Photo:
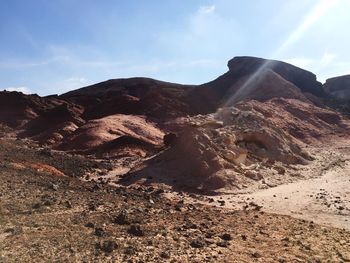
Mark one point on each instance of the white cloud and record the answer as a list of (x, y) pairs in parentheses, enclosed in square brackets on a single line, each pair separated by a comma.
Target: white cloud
[(206, 9), (327, 58), (24, 90)]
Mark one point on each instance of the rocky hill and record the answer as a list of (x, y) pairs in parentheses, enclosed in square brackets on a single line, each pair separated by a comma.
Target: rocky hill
[(269, 108), (141, 170)]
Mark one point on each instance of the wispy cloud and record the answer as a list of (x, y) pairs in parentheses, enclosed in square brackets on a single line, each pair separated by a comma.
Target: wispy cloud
[(24, 90), (327, 58), (206, 9)]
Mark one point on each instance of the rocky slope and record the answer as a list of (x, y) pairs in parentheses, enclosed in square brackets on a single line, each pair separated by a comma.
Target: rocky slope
[(238, 145), (135, 170), (277, 108)]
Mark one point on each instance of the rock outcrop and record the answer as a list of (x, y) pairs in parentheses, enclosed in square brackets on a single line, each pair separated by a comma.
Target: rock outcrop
[(304, 80), (338, 87), (110, 133), (255, 78), (218, 150)]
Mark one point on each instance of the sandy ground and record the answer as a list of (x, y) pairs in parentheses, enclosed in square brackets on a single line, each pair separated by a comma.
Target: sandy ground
[(323, 198)]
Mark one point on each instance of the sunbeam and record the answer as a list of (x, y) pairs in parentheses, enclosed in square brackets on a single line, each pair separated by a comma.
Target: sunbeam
[(313, 16)]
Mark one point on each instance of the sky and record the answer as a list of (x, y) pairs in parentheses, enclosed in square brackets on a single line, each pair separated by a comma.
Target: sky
[(53, 46)]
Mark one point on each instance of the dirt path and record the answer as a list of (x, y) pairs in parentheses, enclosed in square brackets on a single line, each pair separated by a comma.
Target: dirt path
[(324, 200)]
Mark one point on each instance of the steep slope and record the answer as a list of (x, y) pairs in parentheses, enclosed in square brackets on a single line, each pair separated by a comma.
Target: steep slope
[(304, 80), (257, 78)]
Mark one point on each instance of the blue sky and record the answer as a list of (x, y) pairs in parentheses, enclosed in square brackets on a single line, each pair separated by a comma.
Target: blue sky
[(52, 46)]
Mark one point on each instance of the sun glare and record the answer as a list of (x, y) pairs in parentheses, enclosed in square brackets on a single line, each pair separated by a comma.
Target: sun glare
[(311, 18)]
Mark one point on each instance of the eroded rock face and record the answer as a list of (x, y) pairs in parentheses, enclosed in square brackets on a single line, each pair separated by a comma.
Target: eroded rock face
[(255, 78), (114, 134), (338, 87), (303, 79), (226, 148)]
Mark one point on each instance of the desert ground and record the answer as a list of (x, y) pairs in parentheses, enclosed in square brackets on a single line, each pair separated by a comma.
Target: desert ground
[(46, 216)]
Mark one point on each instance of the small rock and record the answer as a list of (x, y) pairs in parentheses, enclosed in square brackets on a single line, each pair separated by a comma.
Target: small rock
[(89, 225), (130, 250), (99, 232), (68, 204), (108, 246), (280, 169), (122, 218), (36, 205), (221, 202), (226, 237), (198, 243), (136, 230), (165, 254), (54, 187), (223, 243)]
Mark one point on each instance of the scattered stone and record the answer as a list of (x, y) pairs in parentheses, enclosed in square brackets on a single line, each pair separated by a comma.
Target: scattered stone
[(165, 254), (223, 243), (280, 169), (256, 255), (178, 207), (130, 250), (190, 225), (14, 230), (107, 246), (226, 237), (48, 202), (122, 218), (221, 202), (89, 225), (99, 232), (253, 175), (209, 234), (136, 230), (68, 204), (54, 187), (198, 243), (36, 205)]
